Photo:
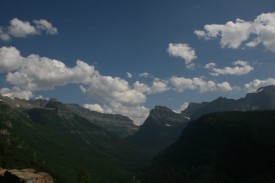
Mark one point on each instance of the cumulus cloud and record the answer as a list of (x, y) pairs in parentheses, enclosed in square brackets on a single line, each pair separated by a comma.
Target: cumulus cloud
[(16, 92), (41, 73), (141, 87), (248, 33), (257, 83), (10, 59), (239, 68), (181, 84), (94, 107), (113, 89), (44, 25), (35, 73), (158, 86), (183, 51), (19, 28)]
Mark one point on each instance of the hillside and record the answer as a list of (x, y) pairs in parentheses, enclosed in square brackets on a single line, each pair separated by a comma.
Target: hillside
[(62, 144), (118, 125), (231, 147)]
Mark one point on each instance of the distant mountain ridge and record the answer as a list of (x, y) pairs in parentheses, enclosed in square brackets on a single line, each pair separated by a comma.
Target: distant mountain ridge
[(262, 99), (116, 124)]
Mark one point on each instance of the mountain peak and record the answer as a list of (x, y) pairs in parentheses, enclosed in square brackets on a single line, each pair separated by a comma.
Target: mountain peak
[(267, 89), (160, 112), (162, 108)]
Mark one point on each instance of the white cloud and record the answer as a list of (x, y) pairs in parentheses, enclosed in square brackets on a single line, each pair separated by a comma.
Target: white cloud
[(94, 107), (183, 51), (182, 107), (181, 84), (240, 68), (257, 83), (113, 89), (141, 87), (19, 28), (10, 59), (16, 92), (224, 86), (129, 75), (4, 36), (144, 75), (41, 73), (137, 113), (44, 25), (252, 33), (231, 34), (34, 73), (158, 86)]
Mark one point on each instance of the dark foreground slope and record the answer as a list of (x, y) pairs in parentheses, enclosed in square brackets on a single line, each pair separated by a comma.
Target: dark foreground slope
[(229, 147), (62, 144)]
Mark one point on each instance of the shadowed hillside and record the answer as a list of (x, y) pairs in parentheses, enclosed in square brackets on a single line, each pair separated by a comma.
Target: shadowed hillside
[(224, 147)]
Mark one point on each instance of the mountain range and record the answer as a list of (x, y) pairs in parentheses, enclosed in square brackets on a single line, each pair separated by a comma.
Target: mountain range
[(262, 99), (62, 143), (118, 125), (207, 142)]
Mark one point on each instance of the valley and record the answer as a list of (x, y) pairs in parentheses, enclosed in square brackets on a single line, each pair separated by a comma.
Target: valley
[(225, 141)]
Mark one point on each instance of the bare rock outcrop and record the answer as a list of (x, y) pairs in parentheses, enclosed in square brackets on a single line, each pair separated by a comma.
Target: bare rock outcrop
[(24, 176)]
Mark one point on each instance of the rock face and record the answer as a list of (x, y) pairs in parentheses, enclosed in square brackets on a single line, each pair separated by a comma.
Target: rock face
[(160, 129), (24, 176)]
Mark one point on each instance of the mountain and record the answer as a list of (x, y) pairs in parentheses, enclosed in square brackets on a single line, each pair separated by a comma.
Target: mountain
[(263, 99), (62, 143), (229, 147), (160, 129), (116, 124)]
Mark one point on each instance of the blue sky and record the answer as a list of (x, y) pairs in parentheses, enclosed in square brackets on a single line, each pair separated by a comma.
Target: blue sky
[(127, 56)]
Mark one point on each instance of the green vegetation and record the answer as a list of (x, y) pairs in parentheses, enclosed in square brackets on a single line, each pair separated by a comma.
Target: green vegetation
[(66, 141), (84, 177), (61, 144), (231, 147)]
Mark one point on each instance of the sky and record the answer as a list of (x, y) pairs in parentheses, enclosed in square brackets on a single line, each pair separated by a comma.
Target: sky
[(126, 56)]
